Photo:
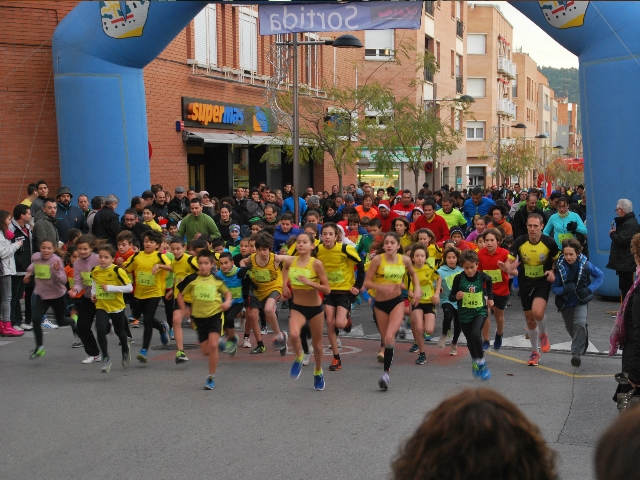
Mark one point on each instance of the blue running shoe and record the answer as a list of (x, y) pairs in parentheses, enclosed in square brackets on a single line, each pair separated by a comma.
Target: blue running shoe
[(164, 335), (296, 368), (414, 348), (210, 383), (485, 345), (475, 369), (483, 372), (142, 356), (497, 343), (318, 382), (171, 335), (427, 337), (383, 383)]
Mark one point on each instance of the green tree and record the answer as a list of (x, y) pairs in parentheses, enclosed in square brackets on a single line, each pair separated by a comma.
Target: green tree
[(516, 159)]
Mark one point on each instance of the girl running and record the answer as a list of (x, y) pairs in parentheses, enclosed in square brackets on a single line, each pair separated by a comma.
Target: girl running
[(447, 273)]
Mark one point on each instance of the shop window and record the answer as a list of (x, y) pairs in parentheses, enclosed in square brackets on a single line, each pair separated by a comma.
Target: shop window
[(248, 40), (205, 35), (378, 44)]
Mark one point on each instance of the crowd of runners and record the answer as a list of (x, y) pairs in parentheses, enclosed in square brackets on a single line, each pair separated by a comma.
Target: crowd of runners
[(214, 262)]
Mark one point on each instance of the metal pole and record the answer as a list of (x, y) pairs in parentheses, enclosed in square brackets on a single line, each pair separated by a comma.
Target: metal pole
[(498, 156), (296, 133)]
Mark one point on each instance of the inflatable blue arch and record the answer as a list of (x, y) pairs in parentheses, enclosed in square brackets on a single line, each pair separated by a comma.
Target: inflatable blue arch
[(100, 49)]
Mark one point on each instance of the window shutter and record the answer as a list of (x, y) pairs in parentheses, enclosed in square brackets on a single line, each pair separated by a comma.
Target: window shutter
[(200, 34), (248, 43), (476, 87), (476, 44)]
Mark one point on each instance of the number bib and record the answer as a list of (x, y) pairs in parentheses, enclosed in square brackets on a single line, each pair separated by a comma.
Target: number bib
[(42, 272), (472, 300), (102, 295), (204, 292), (534, 271), (449, 280), (394, 273), (86, 278), (335, 278), (427, 293), (563, 236), (236, 292), (146, 279), (261, 275), (296, 272), (496, 275)]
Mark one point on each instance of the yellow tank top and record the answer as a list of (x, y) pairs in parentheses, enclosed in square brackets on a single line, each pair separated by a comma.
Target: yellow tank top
[(388, 273), (295, 271), (267, 279), (427, 277), (112, 275)]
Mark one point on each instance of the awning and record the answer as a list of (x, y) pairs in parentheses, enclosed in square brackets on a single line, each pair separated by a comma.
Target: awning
[(230, 138)]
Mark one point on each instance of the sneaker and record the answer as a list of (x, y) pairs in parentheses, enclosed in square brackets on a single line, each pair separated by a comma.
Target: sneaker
[(497, 342), (246, 343), (210, 383), (453, 351), (48, 324), (402, 333), (414, 348), (18, 328), (296, 368), (106, 365), (258, 349), (164, 335), (27, 327), (130, 340), (534, 359), (142, 356), (347, 328), (126, 359), (181, 357), (264, 330), (318, 382), (381, 356), (421, 360), (575, 360), (171, 335), (221, 343), (306, 358), (135, 323), (339, 343), (231, 346), (475, 369), (77, 344), (285, 349), (37, 353), (92, 359), (427, 337), (485, 345), (383, 383), (442, 341), (336, 364), (483, 372), (545, 346)]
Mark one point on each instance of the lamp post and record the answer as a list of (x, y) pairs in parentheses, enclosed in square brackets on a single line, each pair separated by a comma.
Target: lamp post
[(343, 41), (544, 171), (524, 136)]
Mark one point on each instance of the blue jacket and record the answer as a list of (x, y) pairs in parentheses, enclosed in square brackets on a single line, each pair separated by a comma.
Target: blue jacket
[(280, 238), (576, 284), (288, 206), (558, 225), (68, 218), (233, 281), (469, 209)]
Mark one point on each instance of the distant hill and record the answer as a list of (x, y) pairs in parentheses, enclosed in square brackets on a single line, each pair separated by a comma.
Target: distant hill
[(563, 81)]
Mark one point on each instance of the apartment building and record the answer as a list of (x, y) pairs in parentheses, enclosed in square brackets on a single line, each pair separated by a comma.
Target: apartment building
[(568, 135)]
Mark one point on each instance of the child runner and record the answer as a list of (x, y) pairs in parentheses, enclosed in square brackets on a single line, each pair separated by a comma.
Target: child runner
[(183, 265), (423, 315), (488, 257), (209, 297), (385, 275), (401, 227), (447, 271), (109, 282), (469, 289), (307, 277), (150, 220), (575, 284), (50, 279), (72, 309), (232, 277), (149, 267)]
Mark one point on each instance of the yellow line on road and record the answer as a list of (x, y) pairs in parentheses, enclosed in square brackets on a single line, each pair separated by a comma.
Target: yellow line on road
[(548, 369)]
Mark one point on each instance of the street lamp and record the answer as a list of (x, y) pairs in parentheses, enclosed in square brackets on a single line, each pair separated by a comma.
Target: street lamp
[(544, 171), (343, 41)]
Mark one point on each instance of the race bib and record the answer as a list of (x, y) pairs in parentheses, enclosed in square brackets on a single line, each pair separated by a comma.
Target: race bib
[(236, 292), (496, 275), (335, 278), (472, 300), (261, 275), (86, 278), (71, 282), (102, 295), (205, 292), (449, 280), (42, 272), (427, 293), (296, 272), (394, 273), (146, 279), (534, 271), (563, 236)]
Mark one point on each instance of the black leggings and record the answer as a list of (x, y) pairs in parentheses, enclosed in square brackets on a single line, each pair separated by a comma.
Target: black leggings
[(473, 332), (305, 333), (450, 314), (86, 314), (41, 306), (102, 327), (168, 311), (148, 307)]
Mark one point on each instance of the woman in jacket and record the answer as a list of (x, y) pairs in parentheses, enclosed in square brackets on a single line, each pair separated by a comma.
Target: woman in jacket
[(7, 270), (623, 228)]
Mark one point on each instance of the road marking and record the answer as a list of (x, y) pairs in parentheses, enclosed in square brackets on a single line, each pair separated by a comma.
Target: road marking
[(548, 369)]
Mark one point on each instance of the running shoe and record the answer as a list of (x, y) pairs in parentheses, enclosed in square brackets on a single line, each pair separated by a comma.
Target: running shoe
[(27, 327), (296, 368), (383, 383), (575, 360), (497, 342), (264, 330), (210, 383), (427, 337), (46, 323), (534, 359), (414, 348), (485, 345), (18, 328), (421, 360), (142, 356), (246, 343), (339, 343), (336, 364), (402, 333), (545, 346), (231, 346), (181, 357), (258, 349), (442, 341), (285, 349), (347, 328), (483, 372), (92, 359), (135, 323), (381, 356), (221, 343), (106, 365), (164, 334), (306, 358), (318, 382), (77, 344), (453, 351), (171, 335), (475, 369), (37, 353), (126, 359)]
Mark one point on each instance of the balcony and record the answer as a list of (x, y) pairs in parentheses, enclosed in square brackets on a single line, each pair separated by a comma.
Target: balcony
[(459, 84), (506, 67), (428, 75), (459, 28), (428, 7), (506, 107)]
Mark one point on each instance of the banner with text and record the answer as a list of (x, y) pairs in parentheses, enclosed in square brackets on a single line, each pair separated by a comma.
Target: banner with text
[(276, 19)]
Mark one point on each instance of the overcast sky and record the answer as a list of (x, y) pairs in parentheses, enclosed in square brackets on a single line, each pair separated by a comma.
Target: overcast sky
[(534, 41)]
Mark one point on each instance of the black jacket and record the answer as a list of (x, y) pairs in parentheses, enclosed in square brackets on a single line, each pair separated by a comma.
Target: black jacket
[(137, 230), (106, 225), (68, 218), (23, 255), (620, 257), (178, 206), (519, 222)]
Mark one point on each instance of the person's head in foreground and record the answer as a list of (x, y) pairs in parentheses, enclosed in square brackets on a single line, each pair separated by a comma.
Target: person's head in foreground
[(617, 450)]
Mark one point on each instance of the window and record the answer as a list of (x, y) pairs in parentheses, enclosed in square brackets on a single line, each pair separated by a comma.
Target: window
[(378, 44), (476, 44), (205, 34), (458, 65), (514, 87), (546, 128), (476, 87), (456, 120), (248, 41), (438, 54), (376, 117), (454, 64), (475, 130)]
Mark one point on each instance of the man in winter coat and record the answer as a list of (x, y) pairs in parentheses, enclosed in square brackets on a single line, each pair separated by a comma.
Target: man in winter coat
[(45, 226), (624, 227), (68, 216)]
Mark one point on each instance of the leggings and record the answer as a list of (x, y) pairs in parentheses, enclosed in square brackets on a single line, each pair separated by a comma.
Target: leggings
[(168, 311), (86, 314), (148, 307), (102, 327), (450, 314), (40, 308), (473, 332)]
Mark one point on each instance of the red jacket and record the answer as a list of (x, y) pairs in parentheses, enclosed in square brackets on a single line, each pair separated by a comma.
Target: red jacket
[(386, 222), (438, 225)]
